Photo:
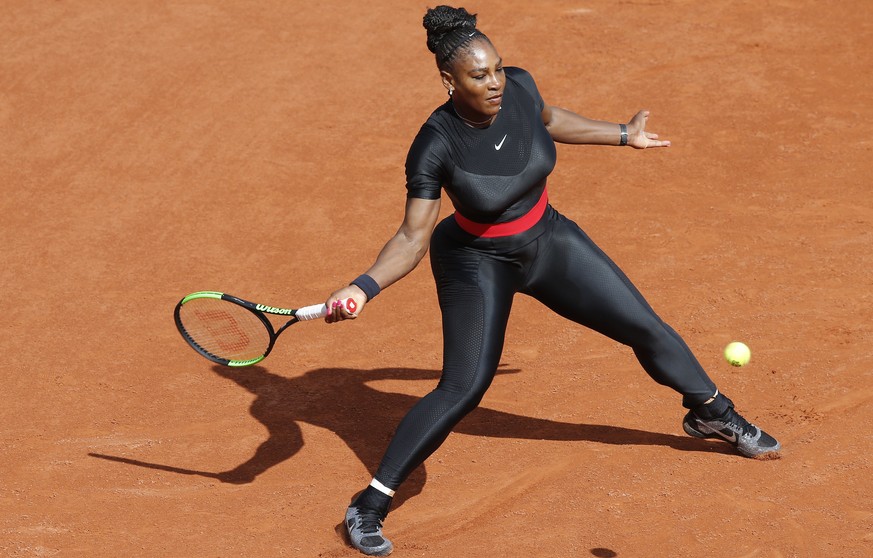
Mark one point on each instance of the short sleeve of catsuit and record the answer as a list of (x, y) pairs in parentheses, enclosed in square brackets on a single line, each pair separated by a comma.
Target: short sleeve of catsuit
[(426, 165)]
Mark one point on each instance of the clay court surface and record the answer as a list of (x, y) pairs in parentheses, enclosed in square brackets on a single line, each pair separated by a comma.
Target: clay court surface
[(151, 149)]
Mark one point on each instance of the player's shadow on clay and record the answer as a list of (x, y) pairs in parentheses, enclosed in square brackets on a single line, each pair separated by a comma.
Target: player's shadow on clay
[(340, 400)]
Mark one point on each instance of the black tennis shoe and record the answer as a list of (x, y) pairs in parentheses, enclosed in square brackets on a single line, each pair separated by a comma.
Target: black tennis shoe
[(749, 440), (365, 531)]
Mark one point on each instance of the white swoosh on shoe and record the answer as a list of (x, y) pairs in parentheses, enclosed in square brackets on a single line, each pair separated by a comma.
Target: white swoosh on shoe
[(732, 438)]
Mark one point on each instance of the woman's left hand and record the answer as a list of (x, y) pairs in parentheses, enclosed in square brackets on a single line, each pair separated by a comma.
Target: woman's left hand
[(638, 137)]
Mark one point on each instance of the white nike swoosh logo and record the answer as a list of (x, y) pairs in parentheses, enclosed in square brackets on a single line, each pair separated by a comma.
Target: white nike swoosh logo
[(497, 146), (732, 438)]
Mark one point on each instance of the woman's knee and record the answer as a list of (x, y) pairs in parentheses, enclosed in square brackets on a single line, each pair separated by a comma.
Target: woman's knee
[(466, 396), (655, 337)]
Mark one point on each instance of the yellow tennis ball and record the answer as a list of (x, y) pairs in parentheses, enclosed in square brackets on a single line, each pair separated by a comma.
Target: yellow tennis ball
[(737, 354)]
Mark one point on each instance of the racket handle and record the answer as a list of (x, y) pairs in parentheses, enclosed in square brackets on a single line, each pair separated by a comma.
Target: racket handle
[(317, 311)]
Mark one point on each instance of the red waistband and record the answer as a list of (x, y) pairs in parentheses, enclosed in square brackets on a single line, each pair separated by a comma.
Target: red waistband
[(510, 228)]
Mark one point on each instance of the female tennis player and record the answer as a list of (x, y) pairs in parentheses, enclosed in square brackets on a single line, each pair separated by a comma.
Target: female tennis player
[(491, 146)]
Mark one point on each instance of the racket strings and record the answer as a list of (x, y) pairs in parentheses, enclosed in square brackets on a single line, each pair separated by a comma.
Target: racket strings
[(224, 329)]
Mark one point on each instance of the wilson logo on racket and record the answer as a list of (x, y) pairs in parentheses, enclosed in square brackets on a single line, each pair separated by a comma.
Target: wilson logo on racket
[(274, 310)]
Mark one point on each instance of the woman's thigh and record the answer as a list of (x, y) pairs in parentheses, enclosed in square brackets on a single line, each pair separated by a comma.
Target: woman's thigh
[(576, 279)]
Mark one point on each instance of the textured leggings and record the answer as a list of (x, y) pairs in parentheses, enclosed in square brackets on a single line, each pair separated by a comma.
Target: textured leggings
[(562, 268)]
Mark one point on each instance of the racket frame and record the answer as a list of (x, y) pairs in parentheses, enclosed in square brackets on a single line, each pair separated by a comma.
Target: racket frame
[(257, 309)]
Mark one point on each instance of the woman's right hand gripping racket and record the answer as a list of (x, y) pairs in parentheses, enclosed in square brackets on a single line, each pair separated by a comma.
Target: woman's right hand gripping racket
[(235, 332)]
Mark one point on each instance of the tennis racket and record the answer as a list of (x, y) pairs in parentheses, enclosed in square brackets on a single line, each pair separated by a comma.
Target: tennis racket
[(235, 332)]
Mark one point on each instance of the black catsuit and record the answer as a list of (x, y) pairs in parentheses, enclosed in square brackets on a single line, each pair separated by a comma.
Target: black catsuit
[(497, 175)]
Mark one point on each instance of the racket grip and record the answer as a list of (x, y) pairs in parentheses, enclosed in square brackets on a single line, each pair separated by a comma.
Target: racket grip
[(317, 311), (311, 312)]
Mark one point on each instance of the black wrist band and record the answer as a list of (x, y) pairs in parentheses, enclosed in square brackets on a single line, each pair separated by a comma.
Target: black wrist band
[(623, 128), (368, 285)]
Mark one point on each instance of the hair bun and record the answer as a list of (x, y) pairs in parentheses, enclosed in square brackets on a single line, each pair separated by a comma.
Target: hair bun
[(442, 20)]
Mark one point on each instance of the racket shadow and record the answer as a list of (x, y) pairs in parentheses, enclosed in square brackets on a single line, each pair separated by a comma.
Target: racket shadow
[(340, 400)]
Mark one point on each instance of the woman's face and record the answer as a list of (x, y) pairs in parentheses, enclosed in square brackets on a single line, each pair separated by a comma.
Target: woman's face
[(477, 79)]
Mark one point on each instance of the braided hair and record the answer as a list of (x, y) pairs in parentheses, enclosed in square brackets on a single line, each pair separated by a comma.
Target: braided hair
[(449, 30)]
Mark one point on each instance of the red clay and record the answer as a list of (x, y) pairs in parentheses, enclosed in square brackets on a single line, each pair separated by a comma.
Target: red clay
[(154, 149)]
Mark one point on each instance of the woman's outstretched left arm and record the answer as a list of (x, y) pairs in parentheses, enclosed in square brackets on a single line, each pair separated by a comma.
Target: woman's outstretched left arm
[(568, 127)]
